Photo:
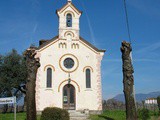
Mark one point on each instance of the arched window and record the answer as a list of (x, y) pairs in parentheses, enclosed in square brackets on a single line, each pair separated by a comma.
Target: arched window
[(69, 20), (49, 78), (88, 78)]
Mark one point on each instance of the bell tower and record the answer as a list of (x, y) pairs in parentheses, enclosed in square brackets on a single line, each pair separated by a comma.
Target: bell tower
[(69, 17)]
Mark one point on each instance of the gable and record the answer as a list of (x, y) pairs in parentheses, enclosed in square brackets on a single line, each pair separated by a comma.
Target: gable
[(69, 4), (48, 43)]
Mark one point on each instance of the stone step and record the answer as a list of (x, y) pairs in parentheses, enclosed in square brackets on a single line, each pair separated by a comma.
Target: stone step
[(80, 114), (79, 119), (76, 115)]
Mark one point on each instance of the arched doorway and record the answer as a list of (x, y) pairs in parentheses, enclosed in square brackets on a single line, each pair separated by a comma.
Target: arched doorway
[(69, 97)]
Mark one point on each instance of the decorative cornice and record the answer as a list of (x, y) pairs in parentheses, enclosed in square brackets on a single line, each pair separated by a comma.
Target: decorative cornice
[(49, 65), (70, 83), (87, 67), (81, 40)]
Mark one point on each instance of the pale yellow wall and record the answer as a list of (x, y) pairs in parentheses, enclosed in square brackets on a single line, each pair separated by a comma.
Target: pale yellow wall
[(85, 98)]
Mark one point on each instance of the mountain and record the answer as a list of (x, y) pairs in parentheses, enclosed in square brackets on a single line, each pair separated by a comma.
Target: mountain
[(139, 97)]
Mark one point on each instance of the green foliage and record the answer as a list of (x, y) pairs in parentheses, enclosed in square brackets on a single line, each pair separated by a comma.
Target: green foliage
[(143, 114), (10, 116), (158, 101), (119, 115), (143, 103), (110, 115), (54, 114), (13, 73)]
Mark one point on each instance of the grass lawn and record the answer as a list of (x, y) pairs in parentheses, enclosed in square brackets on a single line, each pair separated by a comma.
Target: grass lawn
[(10, 116), (107, 115), (110, 115), (116, 115)]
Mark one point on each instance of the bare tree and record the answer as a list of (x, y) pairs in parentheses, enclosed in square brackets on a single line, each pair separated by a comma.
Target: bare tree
[(32, 66), (128, 81)]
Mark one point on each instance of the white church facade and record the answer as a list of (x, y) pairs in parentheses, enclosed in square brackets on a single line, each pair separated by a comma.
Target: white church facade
[(70, 73)]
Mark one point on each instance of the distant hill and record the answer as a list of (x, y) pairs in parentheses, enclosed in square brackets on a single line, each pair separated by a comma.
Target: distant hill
[(139, 97)]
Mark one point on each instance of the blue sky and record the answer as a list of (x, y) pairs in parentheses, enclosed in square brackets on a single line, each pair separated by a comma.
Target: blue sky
[(23, 22)]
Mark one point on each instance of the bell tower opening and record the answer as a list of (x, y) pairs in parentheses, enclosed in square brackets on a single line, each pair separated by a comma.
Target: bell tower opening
[(69, 17), (69, 20)]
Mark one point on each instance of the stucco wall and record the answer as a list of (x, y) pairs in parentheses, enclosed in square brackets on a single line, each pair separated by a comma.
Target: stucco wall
[(85, 98)]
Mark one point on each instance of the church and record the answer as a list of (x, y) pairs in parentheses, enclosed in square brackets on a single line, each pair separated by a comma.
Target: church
[(70, 73)]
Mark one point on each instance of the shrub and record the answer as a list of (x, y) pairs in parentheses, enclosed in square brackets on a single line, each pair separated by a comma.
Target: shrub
[(143, 114), (54, 114)]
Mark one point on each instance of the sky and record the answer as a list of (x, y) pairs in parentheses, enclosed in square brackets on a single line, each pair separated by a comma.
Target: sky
[(25, 22)]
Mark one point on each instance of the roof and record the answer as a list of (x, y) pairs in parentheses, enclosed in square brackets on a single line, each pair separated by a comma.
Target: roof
[(151, 99), (46, 42), (66, 5), (92, 46)]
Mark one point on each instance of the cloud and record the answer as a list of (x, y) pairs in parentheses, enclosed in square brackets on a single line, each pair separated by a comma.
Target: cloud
[(146, 7), (146, 60), (89, 24), (112, 60), (35, 27), (7, 42), (35, 5), (106, 72), (150, 48), (134, 60)]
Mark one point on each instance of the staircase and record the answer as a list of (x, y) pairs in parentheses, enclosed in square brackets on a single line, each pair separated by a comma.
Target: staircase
[(76, 115)]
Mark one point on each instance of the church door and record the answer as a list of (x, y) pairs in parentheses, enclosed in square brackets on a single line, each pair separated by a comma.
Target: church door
[(69, 97)]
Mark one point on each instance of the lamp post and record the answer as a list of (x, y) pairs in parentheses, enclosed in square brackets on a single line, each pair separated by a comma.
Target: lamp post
[(69, 79)]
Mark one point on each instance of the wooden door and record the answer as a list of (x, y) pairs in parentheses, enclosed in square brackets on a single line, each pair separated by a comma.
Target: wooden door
[(69, 97)]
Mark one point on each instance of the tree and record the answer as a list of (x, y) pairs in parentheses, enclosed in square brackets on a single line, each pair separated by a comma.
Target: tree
[(143, 114), (32, 66), (0, 75), (114, 104), (143, 103), (128, 81), (13, 74), (158, 102)]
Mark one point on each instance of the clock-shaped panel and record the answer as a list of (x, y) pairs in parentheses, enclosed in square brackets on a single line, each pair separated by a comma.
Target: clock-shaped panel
[(68, 63)]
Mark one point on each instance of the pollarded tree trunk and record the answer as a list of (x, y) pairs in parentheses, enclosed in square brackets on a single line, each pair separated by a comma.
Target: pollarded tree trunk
[(128, 82), (32, 67)]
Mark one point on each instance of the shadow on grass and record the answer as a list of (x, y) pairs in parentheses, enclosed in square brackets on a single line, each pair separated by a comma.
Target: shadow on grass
[(105, 117)]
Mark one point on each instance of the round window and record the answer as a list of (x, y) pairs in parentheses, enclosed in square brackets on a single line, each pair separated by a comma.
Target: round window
[(68, 63)]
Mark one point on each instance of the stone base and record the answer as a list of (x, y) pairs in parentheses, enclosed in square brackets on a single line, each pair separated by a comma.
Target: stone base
[(39, 112), (95, 112), (91, 112)]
